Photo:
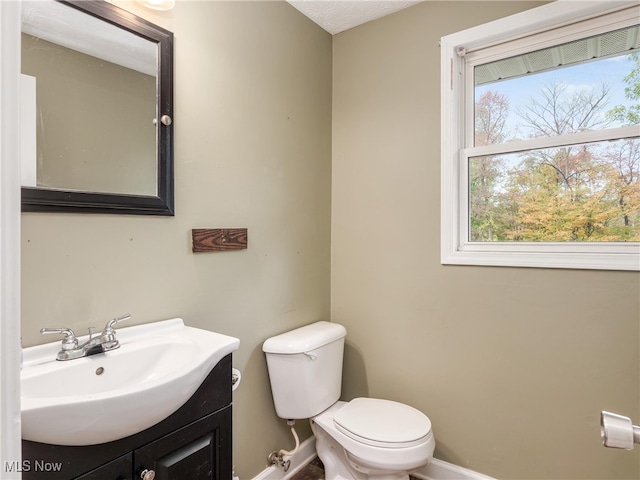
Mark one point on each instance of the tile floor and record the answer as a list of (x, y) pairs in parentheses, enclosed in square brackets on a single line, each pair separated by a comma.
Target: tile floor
[(314, 470)]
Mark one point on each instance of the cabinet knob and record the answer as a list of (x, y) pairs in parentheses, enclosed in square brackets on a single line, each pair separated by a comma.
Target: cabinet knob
[(147, 474)]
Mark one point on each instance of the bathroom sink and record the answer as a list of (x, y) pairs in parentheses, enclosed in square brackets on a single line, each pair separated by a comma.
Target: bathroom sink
[(112, 395)]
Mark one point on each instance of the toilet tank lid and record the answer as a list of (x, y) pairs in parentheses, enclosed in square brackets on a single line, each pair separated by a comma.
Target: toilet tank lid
[(304, 339)]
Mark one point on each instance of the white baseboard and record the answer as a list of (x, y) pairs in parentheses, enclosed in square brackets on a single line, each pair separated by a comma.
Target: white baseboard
[(436, 470), (441, 470), (304, 455)]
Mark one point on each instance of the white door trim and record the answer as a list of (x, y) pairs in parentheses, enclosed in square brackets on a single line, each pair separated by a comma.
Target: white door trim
[(10, 434)]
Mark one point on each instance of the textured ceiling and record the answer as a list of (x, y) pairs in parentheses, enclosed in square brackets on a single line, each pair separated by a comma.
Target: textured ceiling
[(336, 16)]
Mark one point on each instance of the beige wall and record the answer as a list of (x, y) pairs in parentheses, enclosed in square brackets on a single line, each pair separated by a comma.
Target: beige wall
[(253, 149), (513, 366)]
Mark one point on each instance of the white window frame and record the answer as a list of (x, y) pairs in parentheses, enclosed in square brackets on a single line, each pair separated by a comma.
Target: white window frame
[(456, 59)]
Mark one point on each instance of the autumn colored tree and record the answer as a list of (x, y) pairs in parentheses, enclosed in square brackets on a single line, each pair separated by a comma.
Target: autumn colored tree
[(554, 112), (546, 211), (485, 172), (491, 114), (623, 160)]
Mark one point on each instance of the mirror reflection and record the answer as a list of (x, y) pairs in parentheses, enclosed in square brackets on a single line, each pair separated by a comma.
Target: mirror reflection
[(89, 95)]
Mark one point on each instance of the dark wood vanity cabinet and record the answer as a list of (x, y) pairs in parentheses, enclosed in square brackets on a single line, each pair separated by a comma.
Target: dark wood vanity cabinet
[(194, 443), (118, 469), (192, 453)]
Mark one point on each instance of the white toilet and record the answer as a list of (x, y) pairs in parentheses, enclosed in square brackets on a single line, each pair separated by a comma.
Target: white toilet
[(365, 438)]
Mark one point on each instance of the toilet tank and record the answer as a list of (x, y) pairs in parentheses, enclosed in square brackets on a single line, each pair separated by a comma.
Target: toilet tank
[(305, 369)]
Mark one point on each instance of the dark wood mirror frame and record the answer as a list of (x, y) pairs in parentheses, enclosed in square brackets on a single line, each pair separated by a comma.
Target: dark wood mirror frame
[(52, 200)]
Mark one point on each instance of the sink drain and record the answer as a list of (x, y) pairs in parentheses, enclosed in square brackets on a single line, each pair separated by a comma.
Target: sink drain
[(99, 371)]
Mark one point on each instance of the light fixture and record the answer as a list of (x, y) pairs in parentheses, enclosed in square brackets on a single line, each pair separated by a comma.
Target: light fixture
[(161, 5)]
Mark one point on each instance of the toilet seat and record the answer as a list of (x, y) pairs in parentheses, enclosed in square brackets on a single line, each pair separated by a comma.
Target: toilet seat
[(382, 423), (358, 451)]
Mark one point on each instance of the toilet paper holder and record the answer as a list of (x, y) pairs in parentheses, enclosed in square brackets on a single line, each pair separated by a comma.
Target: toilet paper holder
[(236, 376), (617, 431)]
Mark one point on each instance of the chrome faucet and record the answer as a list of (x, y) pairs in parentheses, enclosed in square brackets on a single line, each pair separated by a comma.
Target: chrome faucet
[(104, 342)]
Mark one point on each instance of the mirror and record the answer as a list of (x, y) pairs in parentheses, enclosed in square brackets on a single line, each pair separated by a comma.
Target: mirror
[(97, 109)]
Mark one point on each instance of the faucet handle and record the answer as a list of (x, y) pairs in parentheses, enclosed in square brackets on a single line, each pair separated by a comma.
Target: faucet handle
[(69, 342), (111, 323)]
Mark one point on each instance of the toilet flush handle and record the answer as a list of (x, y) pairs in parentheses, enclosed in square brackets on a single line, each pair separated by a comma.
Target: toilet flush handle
[(311, 355)]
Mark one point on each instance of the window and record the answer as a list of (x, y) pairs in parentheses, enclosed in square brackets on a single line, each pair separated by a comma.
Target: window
[(541, 139)]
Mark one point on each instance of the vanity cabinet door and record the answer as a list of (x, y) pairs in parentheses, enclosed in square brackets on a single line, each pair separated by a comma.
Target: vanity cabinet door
[(119, 469), (199, 451)]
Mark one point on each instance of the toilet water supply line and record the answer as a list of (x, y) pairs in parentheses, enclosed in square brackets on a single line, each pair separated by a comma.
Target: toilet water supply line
[(284, 452), (277, 457)]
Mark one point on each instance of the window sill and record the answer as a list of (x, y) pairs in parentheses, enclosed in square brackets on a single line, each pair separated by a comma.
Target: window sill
[(628, 258)]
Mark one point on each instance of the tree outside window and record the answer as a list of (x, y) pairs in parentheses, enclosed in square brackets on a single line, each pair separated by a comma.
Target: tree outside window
[(587, 192)]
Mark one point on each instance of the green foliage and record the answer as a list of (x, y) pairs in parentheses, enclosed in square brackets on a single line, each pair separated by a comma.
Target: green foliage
[(629, 115)]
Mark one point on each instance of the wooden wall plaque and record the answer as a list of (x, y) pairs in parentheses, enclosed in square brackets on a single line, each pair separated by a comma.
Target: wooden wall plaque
[(218, 239)]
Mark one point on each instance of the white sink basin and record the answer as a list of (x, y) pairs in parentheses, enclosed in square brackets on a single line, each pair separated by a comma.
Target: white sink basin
[(112, 395)]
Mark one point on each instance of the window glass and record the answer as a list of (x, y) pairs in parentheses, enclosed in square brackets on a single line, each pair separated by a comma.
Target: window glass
[(585, 85), (570, 193), (578, 193)]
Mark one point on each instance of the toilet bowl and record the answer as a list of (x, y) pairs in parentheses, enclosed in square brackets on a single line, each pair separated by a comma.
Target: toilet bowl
[(370, 438), (365, 438)]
